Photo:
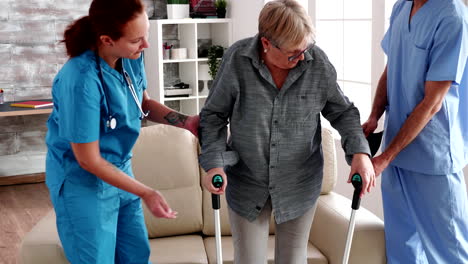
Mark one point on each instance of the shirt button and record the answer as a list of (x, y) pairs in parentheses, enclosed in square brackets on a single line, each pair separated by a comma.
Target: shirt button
[(271, 188), (272, 167), (273, 145), (276, 121)]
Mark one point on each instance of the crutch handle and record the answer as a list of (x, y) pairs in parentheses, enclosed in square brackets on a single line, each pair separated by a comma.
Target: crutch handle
[(217, 182), (356, 180)]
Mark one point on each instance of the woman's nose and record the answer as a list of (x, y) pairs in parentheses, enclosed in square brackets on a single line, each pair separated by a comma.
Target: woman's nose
[(145, 44)]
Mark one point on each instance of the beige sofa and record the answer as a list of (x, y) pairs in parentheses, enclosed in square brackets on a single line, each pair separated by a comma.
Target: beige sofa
[(165, 158)]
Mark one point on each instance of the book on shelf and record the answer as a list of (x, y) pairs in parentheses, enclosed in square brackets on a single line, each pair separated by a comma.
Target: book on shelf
[(33, 104)]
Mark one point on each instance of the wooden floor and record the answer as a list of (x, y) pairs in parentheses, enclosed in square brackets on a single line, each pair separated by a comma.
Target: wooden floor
[(21, 207)]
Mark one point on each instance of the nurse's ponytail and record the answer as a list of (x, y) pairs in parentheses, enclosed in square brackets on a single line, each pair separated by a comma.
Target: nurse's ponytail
[(106, 17), (79, 37)]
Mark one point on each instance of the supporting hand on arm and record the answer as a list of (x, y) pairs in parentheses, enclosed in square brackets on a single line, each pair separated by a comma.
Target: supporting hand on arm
[(162, 114)]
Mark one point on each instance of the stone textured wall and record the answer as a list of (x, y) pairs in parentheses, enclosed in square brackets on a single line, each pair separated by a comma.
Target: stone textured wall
[(30, 56)]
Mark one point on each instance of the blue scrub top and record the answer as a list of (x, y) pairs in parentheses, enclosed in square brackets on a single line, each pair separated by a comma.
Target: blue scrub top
[(432, 47), (80, 115)]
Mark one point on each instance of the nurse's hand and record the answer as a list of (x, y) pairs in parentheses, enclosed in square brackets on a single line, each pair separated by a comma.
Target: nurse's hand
[(380, 162), (370, 125), (362, 164), (158, 205), (192, 124), (206, 181)]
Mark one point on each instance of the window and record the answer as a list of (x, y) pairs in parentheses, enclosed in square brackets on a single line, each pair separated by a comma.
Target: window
[(344, 32), (350, 32)]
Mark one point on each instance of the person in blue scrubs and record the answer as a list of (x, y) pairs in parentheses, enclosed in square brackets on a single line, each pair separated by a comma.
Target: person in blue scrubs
[(423, 92), (99, 100)]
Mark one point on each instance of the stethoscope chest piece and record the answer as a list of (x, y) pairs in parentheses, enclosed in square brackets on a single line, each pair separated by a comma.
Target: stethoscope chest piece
[(112, 123)]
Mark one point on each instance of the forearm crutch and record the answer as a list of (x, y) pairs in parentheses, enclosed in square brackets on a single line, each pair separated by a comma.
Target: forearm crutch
[(356, 180), (217, 182)]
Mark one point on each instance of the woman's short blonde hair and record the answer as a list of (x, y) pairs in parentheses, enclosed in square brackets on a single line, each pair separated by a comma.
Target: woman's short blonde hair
[(286, 23)]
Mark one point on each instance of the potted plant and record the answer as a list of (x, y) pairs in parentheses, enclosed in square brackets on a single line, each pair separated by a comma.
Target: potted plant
[(221, 8), (215, 52)]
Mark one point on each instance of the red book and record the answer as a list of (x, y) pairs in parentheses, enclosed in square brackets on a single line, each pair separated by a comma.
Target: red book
[(33, 104)]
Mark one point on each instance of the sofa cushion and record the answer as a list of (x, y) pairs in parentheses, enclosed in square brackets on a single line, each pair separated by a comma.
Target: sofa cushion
[(42, 244), (330, 170), (178, 250), (314, 256), (166, 159)]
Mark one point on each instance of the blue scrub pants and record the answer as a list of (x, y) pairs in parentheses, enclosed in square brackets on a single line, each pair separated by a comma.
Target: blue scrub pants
[(100, 223), (426, 217)]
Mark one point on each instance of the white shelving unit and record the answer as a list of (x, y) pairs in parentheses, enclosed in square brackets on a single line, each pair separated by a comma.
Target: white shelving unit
[(189, 32)]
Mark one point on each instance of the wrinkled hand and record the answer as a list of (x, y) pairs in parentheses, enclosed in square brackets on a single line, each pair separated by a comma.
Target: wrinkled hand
[(369, 126), (362, 164), (158, 205), (206, 181), (380, 164), (191, 124)]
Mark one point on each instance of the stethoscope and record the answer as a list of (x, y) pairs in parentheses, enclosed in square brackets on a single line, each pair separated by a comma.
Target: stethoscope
[(111, 121)]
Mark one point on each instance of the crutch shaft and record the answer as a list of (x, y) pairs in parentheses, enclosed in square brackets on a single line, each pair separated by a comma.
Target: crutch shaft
[(349, 238), (219, 252), (217, 182), (356, 180)]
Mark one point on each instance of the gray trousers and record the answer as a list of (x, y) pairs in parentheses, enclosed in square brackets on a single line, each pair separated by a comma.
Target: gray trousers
[(250, 239)]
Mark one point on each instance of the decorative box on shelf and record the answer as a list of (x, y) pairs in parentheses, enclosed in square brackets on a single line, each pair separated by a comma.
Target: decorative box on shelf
[(180, 89), (175, 92)]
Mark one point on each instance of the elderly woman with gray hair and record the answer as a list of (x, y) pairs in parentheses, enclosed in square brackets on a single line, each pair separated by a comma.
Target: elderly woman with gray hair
[(271, 90)]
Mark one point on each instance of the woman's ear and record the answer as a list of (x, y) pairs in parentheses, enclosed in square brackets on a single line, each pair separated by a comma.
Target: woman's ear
[(266, 45), (106, 40)]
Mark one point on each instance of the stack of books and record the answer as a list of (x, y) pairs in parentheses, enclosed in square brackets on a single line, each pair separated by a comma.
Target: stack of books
[(33, 104)]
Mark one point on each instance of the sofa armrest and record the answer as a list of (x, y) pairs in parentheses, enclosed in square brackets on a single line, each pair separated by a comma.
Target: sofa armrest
[(330, 228)]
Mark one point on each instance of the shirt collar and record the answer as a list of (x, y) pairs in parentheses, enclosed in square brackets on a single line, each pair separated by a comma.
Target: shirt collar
[(252, 48)]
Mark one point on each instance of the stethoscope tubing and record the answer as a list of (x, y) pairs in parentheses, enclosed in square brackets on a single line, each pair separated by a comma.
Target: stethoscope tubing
[(112, 122), (129, 82)]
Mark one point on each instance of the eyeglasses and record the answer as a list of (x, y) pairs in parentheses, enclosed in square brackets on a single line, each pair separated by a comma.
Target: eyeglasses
[(293, 57)]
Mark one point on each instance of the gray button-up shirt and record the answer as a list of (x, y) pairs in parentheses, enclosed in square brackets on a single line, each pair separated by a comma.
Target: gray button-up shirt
[(274, 146)]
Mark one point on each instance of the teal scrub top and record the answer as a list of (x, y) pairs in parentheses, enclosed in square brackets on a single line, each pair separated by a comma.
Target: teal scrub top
[(81, 110), (432, 47)]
